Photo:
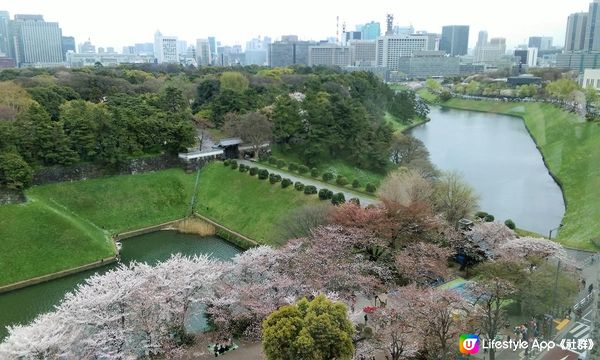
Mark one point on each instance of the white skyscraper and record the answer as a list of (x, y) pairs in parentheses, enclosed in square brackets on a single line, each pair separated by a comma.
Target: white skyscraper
[(391, 48), (203, 52), (165, 48)]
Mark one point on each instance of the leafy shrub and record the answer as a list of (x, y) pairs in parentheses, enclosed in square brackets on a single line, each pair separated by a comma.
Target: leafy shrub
[(263, 174), (303, 169), (355, 184), (355, 201), (281, 164), (324, 194), (253, 171), (338, 199), (273, 160), (244, 168), (299, 186), (226, 162), (489, 218), (286, 183), (342, 181), (293, 167), (510, 224), (310, 189), (233, 164), (327, 176), (273, 178), (370, 188), (314, 172), (481, 214)]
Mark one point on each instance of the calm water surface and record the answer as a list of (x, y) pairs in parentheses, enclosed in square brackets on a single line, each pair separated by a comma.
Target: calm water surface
[(499, 159), (22, 306)]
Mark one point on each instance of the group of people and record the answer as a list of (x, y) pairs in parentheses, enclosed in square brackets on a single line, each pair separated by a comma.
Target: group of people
[(220, 348)]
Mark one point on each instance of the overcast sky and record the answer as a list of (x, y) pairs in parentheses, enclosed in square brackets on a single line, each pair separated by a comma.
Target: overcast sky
[(125, 22)]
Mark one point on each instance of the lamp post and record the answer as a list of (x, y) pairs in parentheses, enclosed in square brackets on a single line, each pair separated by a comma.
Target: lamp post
[(555, 229)]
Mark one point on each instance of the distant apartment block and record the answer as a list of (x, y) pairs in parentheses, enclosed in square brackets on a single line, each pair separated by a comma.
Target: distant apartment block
[(363, 52), (36, 41), (203, 57), (576, 27), (490, 53), (424, 64), (287, 53), (165, 49)]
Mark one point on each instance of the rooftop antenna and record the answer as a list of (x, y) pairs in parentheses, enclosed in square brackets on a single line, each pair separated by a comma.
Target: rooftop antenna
[(389, 19), (344, 33), (337, 29)]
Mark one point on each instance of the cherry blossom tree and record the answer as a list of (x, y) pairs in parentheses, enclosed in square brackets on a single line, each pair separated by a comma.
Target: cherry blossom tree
[(424, 263)]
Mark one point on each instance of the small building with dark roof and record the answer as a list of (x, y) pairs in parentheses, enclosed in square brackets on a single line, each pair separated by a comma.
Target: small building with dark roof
[(230, 147)]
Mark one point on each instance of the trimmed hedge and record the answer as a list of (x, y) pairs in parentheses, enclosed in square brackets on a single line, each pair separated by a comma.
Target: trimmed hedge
[(355, 184), (510, 224), (489, 218), (286, 183), (342, 181), (310, 189), (325, 194), (314, 172), (281, 164), (370, 188), (303, 169), (272, 160), (338, 199), (253, 171), (263, 174), (299, 186), (226, 162), (355, 201), (327, 176), (233, 164), (243, 168), (293, 167), (273, 178)]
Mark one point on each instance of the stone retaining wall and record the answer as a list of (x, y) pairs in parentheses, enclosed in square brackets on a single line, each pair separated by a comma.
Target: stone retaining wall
[(11, 196)]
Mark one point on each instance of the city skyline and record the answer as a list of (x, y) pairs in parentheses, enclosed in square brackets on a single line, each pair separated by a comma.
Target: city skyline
[(115, 25)]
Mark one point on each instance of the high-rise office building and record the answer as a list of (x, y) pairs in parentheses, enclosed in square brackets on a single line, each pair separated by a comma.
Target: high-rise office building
[(203, 57), (391, 48), (68, 44), (455, 39), (212, 41), (482, 38), (286, 53), (352, 35), (489, 53), (576, 27), (540, 42), (329, 55), (370, 31), (363, 52), (144, 49), (592, 28), (37, 41), (87, 48), (5, 43), (433, 40), (165, 48), (527, 56)]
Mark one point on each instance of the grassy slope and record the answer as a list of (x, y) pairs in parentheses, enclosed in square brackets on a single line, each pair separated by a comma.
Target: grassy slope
[(571, 148), (37, 239), (121, 203), (244, 203), (397, 126)]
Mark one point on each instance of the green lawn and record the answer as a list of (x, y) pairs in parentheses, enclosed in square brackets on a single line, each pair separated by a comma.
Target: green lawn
[(398, 126), (128, 202), (244, 203), (36, 239), (571, 148)]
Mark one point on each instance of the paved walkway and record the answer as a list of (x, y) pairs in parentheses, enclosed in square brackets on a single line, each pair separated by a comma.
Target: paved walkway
[(364, 200)]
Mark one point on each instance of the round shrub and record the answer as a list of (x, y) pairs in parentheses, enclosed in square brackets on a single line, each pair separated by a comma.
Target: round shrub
[(299, 186), (243, 168), (233, 164), (272, 160), (338, 199), (226, 162), (273, 178), (489, 218), (342, 181), (370, 188), (303, 169), (310, 189), (355, 184), (286, 183), (293, 167), (314, 172), (510, 224), (281, 164), (253, 171), (327, 176), (481, 214), (263, 174), (323, 194), (355, 201)]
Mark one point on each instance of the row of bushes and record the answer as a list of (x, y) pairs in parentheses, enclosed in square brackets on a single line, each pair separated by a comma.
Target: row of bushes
[(263, 174), (303, 169)]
